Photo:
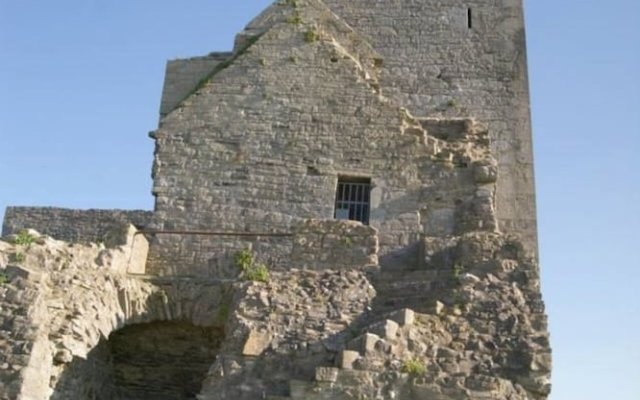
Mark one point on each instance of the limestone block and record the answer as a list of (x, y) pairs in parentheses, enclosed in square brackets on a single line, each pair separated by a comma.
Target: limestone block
[(347, 358), (386, 329), (30, 274), (485, 173), (541, 362), (469, 279), (37, 372), (364, 343), (326, 374), (257, 342), (138, 250), (403, 317), (436, 308)]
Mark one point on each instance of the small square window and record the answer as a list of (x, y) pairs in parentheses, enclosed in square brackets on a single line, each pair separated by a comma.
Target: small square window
[(353, 199)]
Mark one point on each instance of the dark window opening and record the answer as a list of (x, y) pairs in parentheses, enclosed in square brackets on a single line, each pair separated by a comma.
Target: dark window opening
[(469, 18), (353, 199)]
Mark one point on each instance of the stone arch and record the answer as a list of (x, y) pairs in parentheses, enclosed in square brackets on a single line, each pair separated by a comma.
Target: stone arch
[(156, 360), (140, 337)]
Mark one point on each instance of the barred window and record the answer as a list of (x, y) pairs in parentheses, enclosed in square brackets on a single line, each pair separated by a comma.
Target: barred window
[(352, 199)]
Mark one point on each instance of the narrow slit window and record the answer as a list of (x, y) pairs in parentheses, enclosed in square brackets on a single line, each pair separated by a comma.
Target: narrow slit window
[(469, 18), (352, 199)]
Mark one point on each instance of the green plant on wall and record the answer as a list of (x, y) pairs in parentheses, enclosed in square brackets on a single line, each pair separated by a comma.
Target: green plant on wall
[(458, 269), (251, 270), (311, 36), (244, 259), (258, 273), (413, 367), (4, 278), (24, 238), (294, 18)]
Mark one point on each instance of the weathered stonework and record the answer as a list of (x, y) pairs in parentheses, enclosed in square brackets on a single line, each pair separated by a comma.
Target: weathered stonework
[(244, 283), (72, 225)]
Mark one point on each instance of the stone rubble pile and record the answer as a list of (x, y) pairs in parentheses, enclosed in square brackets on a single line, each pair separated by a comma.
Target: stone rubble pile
[(57, 300), (313, 335)]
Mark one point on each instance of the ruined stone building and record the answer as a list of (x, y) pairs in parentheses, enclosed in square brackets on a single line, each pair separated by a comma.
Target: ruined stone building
[(344, 209)]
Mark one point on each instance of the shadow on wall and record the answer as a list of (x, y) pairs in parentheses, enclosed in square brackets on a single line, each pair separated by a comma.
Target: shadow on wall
[(164, 360)]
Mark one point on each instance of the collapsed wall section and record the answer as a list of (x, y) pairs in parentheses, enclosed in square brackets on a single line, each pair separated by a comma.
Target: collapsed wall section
[(61, 303), (318, 335), (461, 59)]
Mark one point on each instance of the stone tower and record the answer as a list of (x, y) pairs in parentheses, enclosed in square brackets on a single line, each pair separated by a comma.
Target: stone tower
[(344, 209), (461, 58)]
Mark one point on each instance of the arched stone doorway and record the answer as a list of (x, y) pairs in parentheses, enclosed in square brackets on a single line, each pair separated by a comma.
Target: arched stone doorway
[(163, 360)]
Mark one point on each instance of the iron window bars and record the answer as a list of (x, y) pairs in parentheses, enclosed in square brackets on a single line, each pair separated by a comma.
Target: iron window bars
[(353, 199)]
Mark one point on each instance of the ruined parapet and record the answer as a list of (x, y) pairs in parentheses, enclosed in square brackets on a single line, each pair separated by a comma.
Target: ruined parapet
[(206, 245), (296, 243), (72, 225)]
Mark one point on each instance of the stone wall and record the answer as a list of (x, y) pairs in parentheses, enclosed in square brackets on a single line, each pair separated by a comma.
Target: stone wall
[(72, 225), (182, 76), (335, 245), (435, 65), (74, 325), (293, 111), (301, 244), (60, 302), (320, 335), (197, 252)]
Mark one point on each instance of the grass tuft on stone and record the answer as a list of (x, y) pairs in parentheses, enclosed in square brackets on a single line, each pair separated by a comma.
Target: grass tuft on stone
[(251, 270), (294, 19), (311, 36), (413, 367), (24, 238)]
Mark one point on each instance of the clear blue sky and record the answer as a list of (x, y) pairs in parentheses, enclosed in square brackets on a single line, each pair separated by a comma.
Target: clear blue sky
[(80, 84)]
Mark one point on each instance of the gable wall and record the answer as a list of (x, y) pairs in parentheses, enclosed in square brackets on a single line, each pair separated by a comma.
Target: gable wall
[(273, 132)]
